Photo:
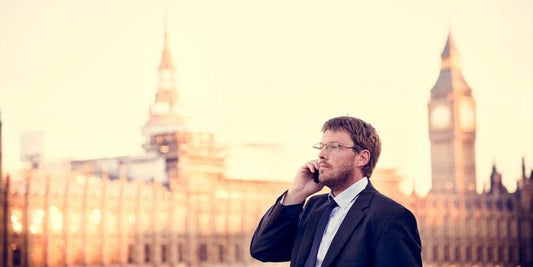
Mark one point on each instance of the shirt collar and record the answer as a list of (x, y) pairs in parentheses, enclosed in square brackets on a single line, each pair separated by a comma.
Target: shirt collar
[(346, 196)]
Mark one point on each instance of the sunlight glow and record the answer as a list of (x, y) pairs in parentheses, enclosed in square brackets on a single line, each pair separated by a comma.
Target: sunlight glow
[(95, 216), (56, 219)]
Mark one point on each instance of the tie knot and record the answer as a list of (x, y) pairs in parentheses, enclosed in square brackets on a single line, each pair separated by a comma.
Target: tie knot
[(332, 204)]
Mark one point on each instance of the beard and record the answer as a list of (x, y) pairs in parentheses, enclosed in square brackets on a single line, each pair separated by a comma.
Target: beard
[(338, 177)]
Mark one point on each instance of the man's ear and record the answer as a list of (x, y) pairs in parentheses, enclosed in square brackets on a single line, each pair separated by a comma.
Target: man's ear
[(363, 158)]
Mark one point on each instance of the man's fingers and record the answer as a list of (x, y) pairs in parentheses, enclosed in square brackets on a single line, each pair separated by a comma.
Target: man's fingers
[(312, 166)]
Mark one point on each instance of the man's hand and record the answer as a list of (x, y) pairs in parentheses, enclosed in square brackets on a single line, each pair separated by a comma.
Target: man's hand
[(303, 185)]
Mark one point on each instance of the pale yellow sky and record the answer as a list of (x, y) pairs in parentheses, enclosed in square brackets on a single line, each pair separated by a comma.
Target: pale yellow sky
[(84, 73)]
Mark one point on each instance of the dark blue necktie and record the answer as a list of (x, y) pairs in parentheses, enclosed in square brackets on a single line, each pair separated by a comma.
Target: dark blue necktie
[(322, 222)]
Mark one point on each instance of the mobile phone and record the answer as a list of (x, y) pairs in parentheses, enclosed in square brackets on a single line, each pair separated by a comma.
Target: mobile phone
[(315, 177)]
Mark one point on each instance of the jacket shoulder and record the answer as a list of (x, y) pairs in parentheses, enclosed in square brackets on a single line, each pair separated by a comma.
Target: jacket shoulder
[(386, 205)]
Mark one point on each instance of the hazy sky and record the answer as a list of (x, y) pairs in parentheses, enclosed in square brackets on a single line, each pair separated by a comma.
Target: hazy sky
[(253, 72)]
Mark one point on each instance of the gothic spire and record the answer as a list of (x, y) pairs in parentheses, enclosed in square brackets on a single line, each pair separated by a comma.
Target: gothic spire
[(523, 168), (449, 48), (165, 113), (166, 59), (450, 77), (496, 185)]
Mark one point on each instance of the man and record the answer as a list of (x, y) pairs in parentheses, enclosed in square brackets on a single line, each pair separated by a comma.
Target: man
[(353, 225)]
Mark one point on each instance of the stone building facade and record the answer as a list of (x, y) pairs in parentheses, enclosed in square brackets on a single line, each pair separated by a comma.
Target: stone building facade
[(122, 211), (188, 213), (458, 226)]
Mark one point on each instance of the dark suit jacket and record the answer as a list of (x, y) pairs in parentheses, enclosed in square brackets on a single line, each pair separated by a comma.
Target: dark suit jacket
[(377, 231)]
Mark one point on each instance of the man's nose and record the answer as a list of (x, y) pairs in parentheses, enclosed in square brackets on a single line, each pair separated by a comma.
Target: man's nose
[(323, 153)]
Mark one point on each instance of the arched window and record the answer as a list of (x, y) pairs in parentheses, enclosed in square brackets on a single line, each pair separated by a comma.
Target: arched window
[(147, 253), (238, 256), (130, 253), (17, 257), (509, 205), (435, 253), (479, 254), (164, 256), (500, 254), (499, 205), (221, 253), (180, 253), (457, 253), (469, 253), (202, 252), (512, 253)]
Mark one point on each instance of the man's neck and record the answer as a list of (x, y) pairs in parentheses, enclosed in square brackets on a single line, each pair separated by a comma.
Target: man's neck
[(337, 190)]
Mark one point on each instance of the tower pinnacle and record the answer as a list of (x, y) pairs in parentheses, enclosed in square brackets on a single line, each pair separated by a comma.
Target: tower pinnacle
[(165, 112), (166, 59), (450, 77), (449, 48)]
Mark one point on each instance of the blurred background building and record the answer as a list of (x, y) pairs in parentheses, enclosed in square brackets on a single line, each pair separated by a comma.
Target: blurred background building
[(175, 206)]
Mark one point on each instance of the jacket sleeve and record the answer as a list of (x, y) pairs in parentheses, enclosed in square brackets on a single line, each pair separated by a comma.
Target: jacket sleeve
[(399, 244), (274, 237)]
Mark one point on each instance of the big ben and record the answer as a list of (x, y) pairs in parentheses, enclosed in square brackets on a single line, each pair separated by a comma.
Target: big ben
[(452, 128)]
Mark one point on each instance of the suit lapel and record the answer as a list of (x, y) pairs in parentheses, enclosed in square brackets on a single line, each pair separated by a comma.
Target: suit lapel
[(308, 234), (349, 224)]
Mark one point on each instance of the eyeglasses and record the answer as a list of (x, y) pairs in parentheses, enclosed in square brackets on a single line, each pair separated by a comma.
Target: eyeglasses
[(333, 147)]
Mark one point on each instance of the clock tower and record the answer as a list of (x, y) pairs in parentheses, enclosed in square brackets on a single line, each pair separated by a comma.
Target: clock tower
[(165, 124), (452, 128)]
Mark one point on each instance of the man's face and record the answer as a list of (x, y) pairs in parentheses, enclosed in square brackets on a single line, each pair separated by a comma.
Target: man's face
[(337, 167)]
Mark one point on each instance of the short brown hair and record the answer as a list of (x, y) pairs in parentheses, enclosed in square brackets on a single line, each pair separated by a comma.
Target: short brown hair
[(363, 135)]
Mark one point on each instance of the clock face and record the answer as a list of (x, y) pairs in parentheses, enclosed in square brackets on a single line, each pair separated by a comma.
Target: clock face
[(440, 116), (467, 115)]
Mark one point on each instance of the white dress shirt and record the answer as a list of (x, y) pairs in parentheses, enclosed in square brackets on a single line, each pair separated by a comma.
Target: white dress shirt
[(344, 201)]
